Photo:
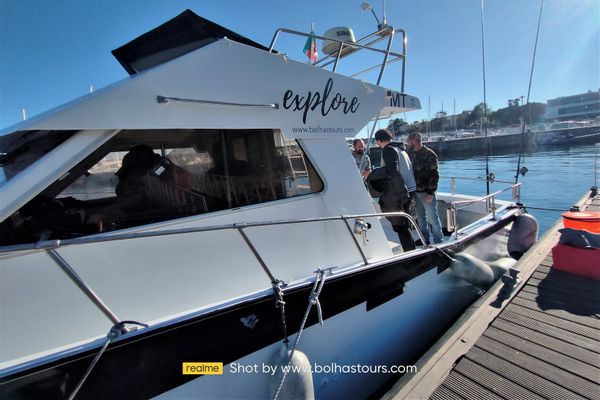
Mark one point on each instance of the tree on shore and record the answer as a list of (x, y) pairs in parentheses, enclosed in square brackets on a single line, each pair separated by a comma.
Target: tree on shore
[(472, 119)]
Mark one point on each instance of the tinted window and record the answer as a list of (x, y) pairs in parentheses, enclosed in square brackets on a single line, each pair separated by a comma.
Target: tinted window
[(21, 149), (142, 177)]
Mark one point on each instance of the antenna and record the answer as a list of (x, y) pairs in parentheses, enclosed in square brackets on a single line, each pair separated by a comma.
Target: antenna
[(367, 7)]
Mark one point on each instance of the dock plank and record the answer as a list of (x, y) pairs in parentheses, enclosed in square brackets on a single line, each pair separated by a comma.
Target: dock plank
[(443, 393), (580, 341), (495, 382), (560, 346), (544, 342), (544, 354), (547, 262), (468, 389), (569, 283), (561, 301), (591, 295), (568, 380), (520, 376), (557, 312), (544, 268), (554, 321), (562, 296)]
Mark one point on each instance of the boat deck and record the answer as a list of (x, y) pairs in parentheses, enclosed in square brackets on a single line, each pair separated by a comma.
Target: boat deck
[(542, 343)]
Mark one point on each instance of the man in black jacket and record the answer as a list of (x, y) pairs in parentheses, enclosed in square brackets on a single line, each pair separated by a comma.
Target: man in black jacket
[(398, 185)]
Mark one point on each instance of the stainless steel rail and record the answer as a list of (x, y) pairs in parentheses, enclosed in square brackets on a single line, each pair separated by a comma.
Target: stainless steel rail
[(55, 244), (51, 246), (378, 35), (490, 200), (165, 99), (347, 48), (453, 180), (67, 269)]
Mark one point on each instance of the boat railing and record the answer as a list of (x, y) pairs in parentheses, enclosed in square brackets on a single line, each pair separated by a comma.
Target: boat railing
[(453, 179), (360, 227), (50, 246), (365, 43), (489, 199)]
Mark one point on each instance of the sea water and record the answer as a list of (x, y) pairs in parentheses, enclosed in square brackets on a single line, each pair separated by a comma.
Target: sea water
[(556, 178)]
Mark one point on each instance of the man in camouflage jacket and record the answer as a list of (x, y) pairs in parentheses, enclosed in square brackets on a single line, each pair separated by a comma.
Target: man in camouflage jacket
[(425, 168)]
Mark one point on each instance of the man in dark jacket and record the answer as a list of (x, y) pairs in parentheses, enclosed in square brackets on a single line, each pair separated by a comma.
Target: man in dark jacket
[(425, 168), (398, 187)]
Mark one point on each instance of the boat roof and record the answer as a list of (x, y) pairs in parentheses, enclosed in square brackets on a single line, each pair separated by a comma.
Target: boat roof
[(191, 73), (180, 35)]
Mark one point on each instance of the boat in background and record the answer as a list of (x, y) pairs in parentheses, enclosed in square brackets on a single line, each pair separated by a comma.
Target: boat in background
[(199, 210)]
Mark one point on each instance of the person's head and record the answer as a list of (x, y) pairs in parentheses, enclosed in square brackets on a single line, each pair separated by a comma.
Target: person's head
[(359, 146), (137, 162), (383, 137), (414, 141)]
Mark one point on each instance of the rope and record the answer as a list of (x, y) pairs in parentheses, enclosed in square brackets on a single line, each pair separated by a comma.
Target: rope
[(313, 299), (442, 251), (280, 303), (117, 330), (543, 209)]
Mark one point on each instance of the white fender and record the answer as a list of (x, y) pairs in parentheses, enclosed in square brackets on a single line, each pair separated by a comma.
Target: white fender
[(472, 270), (298, 382), (502, 265), (523, 235)]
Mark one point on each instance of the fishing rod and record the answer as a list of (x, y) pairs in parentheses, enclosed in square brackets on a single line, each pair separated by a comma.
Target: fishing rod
[(519, 171), (594, 187), (484, 115)]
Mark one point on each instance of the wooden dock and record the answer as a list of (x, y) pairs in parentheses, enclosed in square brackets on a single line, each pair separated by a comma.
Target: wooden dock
[(542, 342)]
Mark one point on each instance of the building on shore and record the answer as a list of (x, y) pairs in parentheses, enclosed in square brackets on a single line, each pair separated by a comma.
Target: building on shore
[(575, 107)]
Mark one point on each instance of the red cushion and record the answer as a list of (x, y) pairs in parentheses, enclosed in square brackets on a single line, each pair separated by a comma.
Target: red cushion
[(583, 262)]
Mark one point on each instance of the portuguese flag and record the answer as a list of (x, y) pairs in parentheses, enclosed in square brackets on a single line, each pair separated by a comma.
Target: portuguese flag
[(310, 48)]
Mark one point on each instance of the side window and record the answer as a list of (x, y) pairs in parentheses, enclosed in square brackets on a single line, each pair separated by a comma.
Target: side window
[(143, 177), (99, 182)]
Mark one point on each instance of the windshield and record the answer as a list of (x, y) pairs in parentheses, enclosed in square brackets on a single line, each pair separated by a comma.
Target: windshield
[(21, 149)]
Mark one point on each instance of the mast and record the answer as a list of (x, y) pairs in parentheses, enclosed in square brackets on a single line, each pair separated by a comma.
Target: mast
[(454, 115)]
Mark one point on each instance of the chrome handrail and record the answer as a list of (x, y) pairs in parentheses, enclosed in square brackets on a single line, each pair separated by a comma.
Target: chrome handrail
[(453, 180), (490, 200), (55, 244), (387, 32), (50, 246)]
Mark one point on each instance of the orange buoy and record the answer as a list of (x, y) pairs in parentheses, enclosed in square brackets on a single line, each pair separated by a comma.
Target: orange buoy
[(585, 220)]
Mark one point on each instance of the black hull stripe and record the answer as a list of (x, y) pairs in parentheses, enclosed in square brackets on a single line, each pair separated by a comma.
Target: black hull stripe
[(150, 363)]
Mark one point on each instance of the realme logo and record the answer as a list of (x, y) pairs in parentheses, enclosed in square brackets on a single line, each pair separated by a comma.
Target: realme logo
[(202, 368)]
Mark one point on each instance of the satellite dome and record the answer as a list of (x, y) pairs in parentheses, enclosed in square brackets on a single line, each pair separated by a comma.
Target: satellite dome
[(343, 33)]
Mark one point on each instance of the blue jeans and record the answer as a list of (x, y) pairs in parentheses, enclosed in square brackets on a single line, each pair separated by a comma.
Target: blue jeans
[(428, 218)]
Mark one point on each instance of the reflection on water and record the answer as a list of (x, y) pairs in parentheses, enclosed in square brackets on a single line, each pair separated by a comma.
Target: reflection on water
[(557, 178)]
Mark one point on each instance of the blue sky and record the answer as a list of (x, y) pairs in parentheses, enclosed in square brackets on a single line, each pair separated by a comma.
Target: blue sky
[(51, 51)]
